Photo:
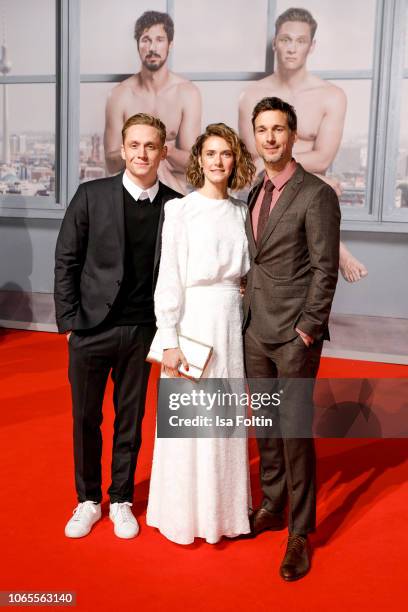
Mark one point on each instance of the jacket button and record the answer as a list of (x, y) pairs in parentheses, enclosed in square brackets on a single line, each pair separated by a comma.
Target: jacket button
[(109, 305)]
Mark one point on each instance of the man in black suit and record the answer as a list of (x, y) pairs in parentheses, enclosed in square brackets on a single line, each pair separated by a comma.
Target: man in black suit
[(107, 258)]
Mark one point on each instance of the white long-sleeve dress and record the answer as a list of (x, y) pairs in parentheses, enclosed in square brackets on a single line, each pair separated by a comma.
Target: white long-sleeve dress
[(200, 486)]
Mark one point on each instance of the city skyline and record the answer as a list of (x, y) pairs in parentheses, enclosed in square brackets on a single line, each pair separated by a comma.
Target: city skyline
[(27, 160)]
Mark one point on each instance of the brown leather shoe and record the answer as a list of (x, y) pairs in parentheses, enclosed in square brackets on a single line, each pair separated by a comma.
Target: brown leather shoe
[(296, 562), (263, 520)]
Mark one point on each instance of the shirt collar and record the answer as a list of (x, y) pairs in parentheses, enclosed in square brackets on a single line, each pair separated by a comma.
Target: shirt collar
[(136, 191), (280, 180)]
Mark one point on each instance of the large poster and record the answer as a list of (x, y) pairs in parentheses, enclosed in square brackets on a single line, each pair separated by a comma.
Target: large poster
[(190, 76)]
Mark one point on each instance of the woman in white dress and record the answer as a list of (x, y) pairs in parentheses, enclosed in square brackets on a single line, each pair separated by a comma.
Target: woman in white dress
[(200, 486)]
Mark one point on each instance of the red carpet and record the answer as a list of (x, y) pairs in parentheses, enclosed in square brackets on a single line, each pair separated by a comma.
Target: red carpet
[(360, 548)]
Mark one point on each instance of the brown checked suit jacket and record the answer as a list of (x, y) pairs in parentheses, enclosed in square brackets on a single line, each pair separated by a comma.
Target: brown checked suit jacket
[(294, 266)]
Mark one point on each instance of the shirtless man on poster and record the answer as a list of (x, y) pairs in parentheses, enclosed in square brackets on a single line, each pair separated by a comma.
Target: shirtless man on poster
[(161, 93), (320, 106)]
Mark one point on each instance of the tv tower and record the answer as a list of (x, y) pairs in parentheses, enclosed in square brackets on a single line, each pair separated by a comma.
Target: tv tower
[(5, 67)]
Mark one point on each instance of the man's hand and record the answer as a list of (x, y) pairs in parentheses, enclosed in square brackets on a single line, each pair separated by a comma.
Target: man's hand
[(172, 358), (68, 335), (177, 158), (308, 340)]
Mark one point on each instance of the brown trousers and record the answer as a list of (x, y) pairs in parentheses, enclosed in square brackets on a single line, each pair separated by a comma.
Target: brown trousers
[(287, 461)]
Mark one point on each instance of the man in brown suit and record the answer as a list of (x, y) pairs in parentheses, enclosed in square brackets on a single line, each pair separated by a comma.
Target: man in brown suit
[(293, 230)]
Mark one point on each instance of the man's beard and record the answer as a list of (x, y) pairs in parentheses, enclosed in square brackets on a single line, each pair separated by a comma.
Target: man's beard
[(153, 67), (272, 159)]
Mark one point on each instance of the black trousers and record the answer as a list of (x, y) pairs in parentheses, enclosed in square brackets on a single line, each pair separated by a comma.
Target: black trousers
[(288, 463), (121, 351)]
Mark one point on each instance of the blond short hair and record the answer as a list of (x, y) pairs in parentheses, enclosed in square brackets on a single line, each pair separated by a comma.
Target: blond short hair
[(145, 119)]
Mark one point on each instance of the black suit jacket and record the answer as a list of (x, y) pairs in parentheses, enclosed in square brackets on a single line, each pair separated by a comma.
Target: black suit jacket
[(294, 267), (90, 251)]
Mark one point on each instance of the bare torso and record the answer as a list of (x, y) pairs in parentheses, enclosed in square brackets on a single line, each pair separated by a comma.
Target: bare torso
[(166, 103), (311, 101), (320, 107), (171, 103)]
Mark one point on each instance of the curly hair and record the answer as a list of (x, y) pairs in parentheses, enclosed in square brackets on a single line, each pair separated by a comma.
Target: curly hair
[(151, 18), (244, 168)]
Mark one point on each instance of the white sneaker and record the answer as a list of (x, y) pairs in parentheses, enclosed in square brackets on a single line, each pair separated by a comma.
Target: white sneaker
[(122, 517), (85, 515)]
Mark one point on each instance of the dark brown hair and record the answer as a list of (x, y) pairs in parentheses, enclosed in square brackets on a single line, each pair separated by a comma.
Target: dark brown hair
[(244, 168), (145, 119), (274, 103), (151, 18)]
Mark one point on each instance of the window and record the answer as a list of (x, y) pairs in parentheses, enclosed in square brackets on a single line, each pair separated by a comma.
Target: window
[(214, 36), (396, 166), (342, 29), (107, 45), (107, 57), (63, 57), (335, 60), (28, 105), (401, 196)]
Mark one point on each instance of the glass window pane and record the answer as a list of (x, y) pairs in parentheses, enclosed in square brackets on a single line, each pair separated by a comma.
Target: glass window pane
[(92, 125), (401, 196), (220, 101), (215, 36), (406, 37), (27, 164), (396, 206), (28, 29), (345, 33), (107, 29), (350, 164)]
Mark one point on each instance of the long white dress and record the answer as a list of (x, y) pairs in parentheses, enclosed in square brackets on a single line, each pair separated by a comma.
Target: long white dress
[(200, 487)]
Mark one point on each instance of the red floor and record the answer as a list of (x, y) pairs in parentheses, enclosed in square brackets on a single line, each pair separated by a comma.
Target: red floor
[(360, 548)]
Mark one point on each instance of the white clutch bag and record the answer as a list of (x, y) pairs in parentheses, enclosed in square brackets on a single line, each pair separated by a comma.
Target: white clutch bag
[(197, 354)]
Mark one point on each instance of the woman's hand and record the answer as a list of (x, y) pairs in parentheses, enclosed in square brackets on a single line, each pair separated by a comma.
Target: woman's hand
[(172, 358), (243, 285)]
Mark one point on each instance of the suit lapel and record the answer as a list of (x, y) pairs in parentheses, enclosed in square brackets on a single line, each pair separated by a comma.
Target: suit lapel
[(157, 252), (119, 211), (248, 223), (285, 200)]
